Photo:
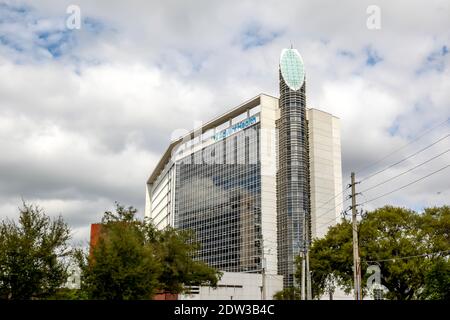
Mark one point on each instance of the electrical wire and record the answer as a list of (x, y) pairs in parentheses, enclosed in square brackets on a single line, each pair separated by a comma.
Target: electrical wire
[(322, 205), (404, 172), (327, 223), (406, 185), (407, 257), (332, 209), (404, 146), (404, 159)]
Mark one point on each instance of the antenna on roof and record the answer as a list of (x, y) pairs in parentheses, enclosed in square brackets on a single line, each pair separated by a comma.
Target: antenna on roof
[(292, 47)]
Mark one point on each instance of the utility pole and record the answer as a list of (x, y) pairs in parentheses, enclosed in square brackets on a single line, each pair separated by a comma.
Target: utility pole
[(308, 272), (303, 297), (264, 279), (263, 274), (308, 278), (306, 293), (356, 261)]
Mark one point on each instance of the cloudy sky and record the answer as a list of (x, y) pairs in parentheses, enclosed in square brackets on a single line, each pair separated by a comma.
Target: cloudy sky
[(86, 113)]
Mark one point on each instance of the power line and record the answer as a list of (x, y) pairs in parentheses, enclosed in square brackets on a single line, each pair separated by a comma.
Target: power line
[(415, 167), (408, 257), (329, 210), (327, 223), (406, 185), (404, 159), (333, 219), (324, 203), (332, 209), (404, 146), (324, 213)]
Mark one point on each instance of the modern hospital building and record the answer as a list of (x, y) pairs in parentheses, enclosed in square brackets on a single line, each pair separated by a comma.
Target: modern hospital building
[(255, 184)]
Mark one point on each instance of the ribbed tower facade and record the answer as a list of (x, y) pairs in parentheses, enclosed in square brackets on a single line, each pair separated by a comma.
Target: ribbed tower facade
[(293, 191)]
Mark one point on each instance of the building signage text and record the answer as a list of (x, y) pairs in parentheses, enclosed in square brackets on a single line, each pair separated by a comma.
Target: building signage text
[(235, 128)]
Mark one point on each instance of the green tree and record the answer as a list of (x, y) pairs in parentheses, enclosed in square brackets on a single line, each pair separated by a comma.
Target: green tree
[(391, 232), (290, 293), (331, 259), (68, 294), (384, 234), (133, 260), (123, 263), (435, 231), (435, 228), (176, 249), (437, 281), (33, 255)]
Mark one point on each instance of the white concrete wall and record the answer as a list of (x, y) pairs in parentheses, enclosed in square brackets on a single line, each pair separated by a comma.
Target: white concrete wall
[(147, 209), (239, 286), (325, 170), (159, 199), (268, 153), (337, 166)]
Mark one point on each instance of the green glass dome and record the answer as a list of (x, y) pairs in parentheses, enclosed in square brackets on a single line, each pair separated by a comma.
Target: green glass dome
[(292, 69)]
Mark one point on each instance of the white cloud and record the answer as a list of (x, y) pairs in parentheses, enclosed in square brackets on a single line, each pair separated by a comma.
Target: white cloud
[(86, 114)]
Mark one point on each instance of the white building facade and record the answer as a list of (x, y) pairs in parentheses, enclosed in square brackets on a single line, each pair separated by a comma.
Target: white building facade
[(238, 286)]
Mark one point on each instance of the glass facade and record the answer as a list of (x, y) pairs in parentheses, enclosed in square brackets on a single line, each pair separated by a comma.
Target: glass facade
[(218, 196), (293, 194)]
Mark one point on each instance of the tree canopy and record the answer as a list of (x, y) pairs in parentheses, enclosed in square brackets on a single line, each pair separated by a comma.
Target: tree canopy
[(32, 255), (289, 293), (410, 249), (134, 260)]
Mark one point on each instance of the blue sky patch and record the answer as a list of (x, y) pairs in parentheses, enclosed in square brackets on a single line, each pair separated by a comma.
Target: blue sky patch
[(31, 37), (372, 56), (6, 41), (7, 10), (346, 53), (393, 129), (435, 61), (93, 25), (56, 42), (253, 35)]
